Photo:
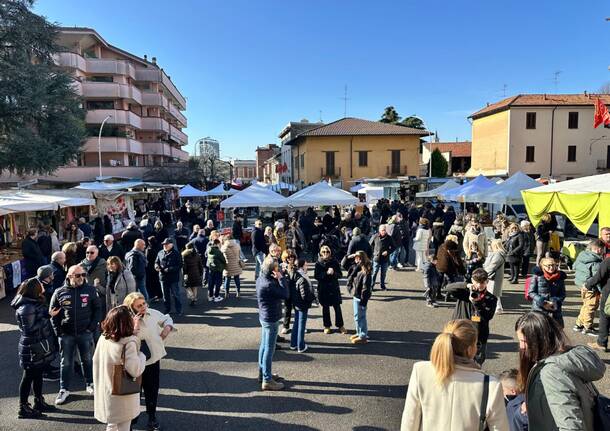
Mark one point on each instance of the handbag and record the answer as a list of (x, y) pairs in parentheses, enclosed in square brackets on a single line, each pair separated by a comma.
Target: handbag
[(483, 414), (601, 410), (122, 382)]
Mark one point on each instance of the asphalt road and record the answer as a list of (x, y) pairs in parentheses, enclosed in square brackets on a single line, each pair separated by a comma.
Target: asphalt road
[(208, 379)]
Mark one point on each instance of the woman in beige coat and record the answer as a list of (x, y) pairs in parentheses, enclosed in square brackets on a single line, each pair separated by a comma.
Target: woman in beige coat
[(231, 251), (446, 392), (116, 411)]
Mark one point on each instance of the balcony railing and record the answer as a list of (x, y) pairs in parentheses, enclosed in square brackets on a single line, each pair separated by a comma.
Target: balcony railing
[(396, 170), (110, 144), (155, 123), (330, 173), (178, 135), (112, 90), (156, 75), (177, 114), (95, 65), (153, 98), (96, 116)]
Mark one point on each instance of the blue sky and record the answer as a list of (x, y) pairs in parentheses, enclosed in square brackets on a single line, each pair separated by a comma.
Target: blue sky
[(248, 67)]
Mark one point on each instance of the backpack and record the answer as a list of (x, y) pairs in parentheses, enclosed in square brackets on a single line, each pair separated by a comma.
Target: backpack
[(526, 290)]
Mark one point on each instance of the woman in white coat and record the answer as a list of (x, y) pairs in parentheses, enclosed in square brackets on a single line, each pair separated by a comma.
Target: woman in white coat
[(421, 243), (494, 265), (117, 411), (152, 328), (446, 392)]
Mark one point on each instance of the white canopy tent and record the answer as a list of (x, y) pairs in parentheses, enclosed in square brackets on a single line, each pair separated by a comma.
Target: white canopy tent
[(507, 192), (189, 191), (24, 202), (279, 186), (219, 190), (99, 186), (255, 196), (357, 188), (372, 193), (440, 189), (321, 194)]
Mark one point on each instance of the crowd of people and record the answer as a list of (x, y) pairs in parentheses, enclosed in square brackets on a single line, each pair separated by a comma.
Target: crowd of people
[(87, 304)]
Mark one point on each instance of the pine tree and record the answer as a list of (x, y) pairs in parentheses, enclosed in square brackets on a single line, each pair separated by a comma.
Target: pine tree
[(439, 164)]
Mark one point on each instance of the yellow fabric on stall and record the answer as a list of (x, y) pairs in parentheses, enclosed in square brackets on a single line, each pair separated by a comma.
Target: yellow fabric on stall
[(581, 209)]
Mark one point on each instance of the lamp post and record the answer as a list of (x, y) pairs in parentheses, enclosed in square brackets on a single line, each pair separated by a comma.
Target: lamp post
[(99, 144)]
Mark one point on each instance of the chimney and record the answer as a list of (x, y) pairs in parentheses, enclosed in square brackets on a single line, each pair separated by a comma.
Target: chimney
[(154, 60), (487, 103), (145, 57), (586, 93), (544, 96)]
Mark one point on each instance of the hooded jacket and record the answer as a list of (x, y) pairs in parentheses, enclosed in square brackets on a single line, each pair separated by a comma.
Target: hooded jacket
[(585, 266), (81, 309), (448, 259), (557, 395)]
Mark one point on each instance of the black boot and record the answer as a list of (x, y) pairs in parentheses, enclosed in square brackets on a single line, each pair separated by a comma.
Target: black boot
[(27, 412), (153, 424), (41, 405)]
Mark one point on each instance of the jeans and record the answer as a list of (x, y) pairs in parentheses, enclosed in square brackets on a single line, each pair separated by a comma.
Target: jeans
[(360, 319), (214, 284), (141, 287), (326, 316), (384, 270), (258, 258), (227, 283), (67, 343), (297, 337), (287, 313), (171, 289), (267, 348), (394, 257), (31, 377), (514, 271), (150, 387)]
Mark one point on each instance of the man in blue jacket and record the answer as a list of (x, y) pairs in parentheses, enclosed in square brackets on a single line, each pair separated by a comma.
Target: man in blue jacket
[(79, 314), (168, 264), (271, 290)]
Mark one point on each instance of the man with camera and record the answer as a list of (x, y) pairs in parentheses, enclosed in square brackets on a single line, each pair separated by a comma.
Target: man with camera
[(475, 303)]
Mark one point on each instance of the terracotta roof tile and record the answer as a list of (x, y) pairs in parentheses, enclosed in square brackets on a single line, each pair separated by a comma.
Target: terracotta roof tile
[(457, 149), (541, 100), (356, 126)]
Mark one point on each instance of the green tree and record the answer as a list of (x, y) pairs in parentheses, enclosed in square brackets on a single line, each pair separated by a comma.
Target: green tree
[(390, 116), (42, 122), (412, 122), (439, 164)]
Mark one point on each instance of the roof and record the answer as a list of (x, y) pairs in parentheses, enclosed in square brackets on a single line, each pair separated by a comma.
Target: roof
[(358, 127), (457, 149), (584, 99), (295, 128)]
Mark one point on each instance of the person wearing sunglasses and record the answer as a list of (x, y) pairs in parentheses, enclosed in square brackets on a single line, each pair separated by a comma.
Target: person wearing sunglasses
[(328, 272), (76, 310), (547, 289)]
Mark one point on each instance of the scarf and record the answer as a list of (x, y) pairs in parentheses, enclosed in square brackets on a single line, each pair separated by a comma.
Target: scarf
[(551, 277), (90, 266), (466, 362), (112, 279)]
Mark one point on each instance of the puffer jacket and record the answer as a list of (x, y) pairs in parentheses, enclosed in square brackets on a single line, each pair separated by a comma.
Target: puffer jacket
[(359, 243), (193, 268), (514, 248), (542, 290), (557, 392), (585, 266), (449, 260), (124, 285), (231, 252), (270, 293), (216, 260), (328, 285), (421, 242), (359, 284), (81, 309), (37, 345)]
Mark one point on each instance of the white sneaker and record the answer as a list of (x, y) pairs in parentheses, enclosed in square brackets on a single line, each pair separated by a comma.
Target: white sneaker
[(90, 389), (304, 349), (210, 298), (400, 265), (218, 299), (284, 331), (62, 397)]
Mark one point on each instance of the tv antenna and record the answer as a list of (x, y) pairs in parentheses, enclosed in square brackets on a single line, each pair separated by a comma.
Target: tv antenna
[(504, 87), (345, 99), (556, 79)]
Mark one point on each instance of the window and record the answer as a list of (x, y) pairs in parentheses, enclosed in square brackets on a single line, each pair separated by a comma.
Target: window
[(395, 162), (529, 154), (100, 104), (330, 163), (363, 159), (302, 161), (572, 120), (571, 153), (530, 120), (100, 78), (296, 161)]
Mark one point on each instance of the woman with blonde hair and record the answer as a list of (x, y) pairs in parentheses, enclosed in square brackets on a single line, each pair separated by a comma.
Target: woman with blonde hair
[(452, 378), (280, 237), (494, 266), (328, 272)]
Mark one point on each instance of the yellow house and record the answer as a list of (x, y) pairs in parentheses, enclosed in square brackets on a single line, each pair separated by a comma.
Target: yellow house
[(542, 135), (351, 148)]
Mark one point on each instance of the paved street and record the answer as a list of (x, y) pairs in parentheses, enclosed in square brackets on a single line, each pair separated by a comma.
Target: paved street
[(209, 377)]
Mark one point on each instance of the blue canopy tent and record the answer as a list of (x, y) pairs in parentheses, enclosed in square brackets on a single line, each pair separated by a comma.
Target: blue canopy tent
[(466, 191), (189, 191), (508, 192)]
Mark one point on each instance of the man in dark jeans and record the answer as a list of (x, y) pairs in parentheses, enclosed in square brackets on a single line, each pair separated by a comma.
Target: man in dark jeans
[(601, 278), (168, 265), (383, 246), (79, 314)]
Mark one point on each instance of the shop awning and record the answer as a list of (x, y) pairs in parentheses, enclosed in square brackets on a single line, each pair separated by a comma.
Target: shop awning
[(255, 196), (24, 202)]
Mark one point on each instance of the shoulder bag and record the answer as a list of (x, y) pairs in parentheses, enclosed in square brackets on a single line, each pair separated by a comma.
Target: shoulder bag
[(601, 409), (122, 382)]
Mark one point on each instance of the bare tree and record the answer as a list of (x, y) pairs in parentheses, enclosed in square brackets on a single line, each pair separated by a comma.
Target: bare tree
[(604, 89)]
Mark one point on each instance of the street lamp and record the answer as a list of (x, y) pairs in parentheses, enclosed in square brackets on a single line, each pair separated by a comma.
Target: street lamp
[(99, 144)]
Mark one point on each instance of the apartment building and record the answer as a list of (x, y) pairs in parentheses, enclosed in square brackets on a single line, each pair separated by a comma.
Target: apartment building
[(543, 135), (351, 148), (288, 133), (263, 154), (244, 170), (140, 103)]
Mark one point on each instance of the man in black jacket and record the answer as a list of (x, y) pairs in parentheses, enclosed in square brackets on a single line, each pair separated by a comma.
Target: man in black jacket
[(135, 261), (31, 253), (129, 236), (601, 278), (79, 314), (168, 265), (111, 248), (475, 303), (259, 246), (383, 246)]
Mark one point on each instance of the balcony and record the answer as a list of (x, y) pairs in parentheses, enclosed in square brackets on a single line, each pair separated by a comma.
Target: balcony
[(155, 123), (180, 154), (114, 145), (177, 115), (105, 66), (158, 149), (330, 173), (396, 171), (111, 90), (96, 116), (157, 75), (152, 98), (178, 135), (89, 173), (71, 60)]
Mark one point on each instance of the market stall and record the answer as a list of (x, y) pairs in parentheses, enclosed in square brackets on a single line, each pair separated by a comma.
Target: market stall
[(189, 191), (582, 200), (507, 192), (439, 190), (465, 192), (219, 190), (321, 194), (255, 196)]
